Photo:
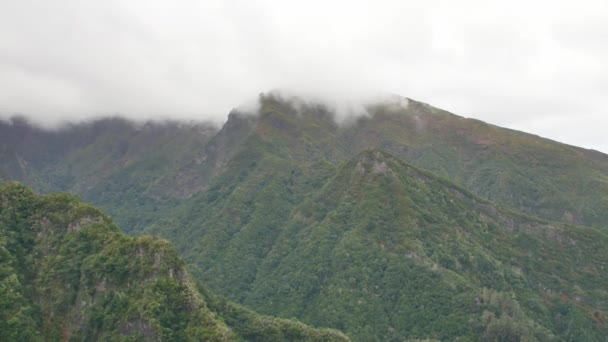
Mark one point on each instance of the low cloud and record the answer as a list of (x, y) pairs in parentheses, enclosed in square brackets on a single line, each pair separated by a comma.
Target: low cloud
[(512, 63)]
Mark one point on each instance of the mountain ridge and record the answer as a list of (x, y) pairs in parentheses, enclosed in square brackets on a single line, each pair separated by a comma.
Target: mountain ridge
[(410, 222), (496, 163), (68, 273), (279, 265)]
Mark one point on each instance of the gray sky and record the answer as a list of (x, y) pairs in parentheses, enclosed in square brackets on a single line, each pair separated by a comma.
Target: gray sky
[(537, 66)]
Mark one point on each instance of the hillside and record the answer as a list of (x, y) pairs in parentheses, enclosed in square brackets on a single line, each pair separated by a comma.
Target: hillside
[(155, 167), (515, 169), (385, 251), (68, 273), (407, 222), (107, 162)]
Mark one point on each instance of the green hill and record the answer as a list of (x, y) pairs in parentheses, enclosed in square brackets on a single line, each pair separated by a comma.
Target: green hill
[(531, 174), (154, 167), (527, 173), (344, 225), (385, 251), (108, 162), (68, 273)]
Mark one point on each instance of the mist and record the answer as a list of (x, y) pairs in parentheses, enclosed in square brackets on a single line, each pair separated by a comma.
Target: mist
[(538, 67)]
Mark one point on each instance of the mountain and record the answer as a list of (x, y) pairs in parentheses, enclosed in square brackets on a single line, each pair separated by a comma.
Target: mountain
[(68, 273), (108, 162), (515, 169), (406, 222), (385, 251), (158, 166)]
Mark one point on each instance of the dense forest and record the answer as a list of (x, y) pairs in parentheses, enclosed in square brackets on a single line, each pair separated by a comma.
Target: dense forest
[(68, 273), (406, 223)]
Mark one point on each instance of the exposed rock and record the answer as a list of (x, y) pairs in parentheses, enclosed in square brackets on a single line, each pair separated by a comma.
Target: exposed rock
[(380, 168), (76, 226)]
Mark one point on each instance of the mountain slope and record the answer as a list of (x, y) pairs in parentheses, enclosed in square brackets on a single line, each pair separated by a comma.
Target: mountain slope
[(108, 162), (271, 212), (68, 273), (155, 168), (525, 172), (385, 251)]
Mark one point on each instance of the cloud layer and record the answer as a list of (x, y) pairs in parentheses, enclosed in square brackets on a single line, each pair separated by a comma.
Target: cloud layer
[(536, 66)]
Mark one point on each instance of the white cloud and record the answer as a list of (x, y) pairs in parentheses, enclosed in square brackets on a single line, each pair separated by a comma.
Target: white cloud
[(518, 63)]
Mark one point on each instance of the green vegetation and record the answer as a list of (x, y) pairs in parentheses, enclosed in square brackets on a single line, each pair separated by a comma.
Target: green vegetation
[(514, 169), (68, 273), (293, 215), (384, 251), (140, 172)]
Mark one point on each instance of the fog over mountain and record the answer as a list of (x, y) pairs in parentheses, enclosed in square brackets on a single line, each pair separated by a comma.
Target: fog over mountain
[(538, 67)]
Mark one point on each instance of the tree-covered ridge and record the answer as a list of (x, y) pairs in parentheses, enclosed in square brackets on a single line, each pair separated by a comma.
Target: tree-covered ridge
[(385, 251), (157, 167), (68, 273), (280, 212), (109, 162), (525, 172)]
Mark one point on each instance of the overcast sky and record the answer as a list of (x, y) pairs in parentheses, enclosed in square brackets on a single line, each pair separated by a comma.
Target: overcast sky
[(537, 66)]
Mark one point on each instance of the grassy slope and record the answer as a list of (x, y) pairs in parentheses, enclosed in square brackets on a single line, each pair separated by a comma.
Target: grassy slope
[(67, 272)]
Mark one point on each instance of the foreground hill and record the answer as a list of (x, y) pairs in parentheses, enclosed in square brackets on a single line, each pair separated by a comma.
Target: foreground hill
[(68, 273)]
